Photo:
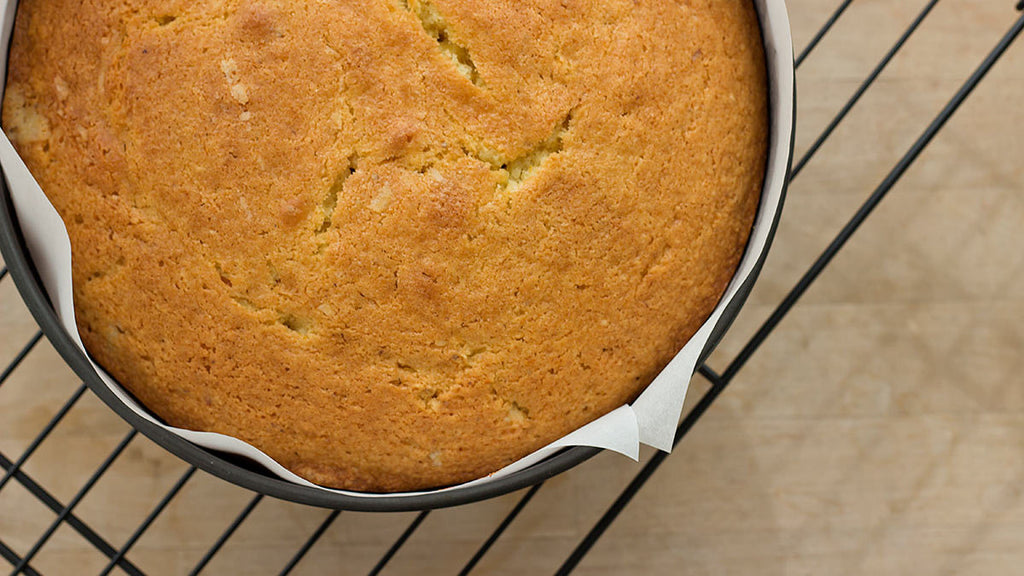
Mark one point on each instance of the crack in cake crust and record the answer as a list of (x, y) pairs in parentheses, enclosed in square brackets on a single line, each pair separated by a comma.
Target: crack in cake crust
[(435, 25)]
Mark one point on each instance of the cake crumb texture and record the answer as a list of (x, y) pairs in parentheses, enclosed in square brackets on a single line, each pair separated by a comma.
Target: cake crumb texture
[(394, 244)]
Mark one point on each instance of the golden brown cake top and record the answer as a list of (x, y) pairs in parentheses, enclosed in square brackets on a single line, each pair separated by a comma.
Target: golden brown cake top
[(392, 244)]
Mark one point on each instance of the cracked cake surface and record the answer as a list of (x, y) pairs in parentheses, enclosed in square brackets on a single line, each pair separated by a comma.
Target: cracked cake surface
[(394, 244)]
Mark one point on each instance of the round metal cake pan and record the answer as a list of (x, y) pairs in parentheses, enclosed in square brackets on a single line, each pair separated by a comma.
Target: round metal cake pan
[(243, 473)]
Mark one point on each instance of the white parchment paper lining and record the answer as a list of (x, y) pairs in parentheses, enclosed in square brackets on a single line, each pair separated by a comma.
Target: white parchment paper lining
[(652, 418)]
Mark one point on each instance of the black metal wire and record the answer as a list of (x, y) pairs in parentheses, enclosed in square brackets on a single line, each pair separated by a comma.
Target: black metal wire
[(149, 519), (20, 357), (709, 374), (62, 516), (638, 482), (12, 556), (500, 529), (90, 535), (42, 435), (226, 535), (313, 538), (867, 83), (876, 197), (822, 32), (398, 543), (845, 234), (3, 273)]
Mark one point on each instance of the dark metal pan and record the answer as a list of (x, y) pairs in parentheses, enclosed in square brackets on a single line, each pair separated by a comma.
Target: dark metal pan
[(240, 471)]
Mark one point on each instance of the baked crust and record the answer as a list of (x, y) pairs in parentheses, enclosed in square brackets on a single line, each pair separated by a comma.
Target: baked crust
[(394, 245)]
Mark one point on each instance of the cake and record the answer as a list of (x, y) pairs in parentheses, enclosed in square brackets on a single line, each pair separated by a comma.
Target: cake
[(393, 244)]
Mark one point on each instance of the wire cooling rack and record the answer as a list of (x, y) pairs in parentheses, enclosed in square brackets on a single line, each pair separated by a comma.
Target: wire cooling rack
[(116, 549)]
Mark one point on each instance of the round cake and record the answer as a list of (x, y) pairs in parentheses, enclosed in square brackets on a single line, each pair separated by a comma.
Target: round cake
[(393, 244)]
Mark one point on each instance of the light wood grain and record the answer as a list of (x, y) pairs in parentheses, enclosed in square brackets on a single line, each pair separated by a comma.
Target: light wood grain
[(880, 430)]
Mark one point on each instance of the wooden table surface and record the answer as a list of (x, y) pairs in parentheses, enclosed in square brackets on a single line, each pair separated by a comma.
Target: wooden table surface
[(879, 430)]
